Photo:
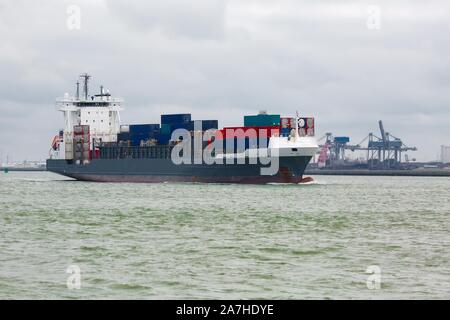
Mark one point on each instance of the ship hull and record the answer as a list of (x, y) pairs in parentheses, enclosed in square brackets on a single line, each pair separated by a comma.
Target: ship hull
[(163, 170)]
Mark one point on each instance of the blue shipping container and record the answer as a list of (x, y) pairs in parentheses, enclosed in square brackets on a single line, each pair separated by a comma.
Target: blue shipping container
[(144, 128), (175, 118), (123, 136), (176, 126), (285, 132), (204, 124), (163, 138)]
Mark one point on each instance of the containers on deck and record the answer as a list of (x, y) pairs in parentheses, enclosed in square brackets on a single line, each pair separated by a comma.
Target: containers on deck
[(285, 132), (165, 128), (204, 125), (247, 137), (124, 136), (81, 130), (252, 132), (81, 143), (163, 138), (287, 122), (306, 126), (262, 120), (143, 132), (135, 134), (124, 128), (183, 125), (256, 127), (172, 122), (175, 118)]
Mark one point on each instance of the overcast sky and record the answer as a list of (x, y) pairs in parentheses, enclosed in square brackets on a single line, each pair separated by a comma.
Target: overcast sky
[(222, 59)]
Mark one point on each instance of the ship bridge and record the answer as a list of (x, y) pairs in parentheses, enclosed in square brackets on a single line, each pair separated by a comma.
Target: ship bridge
[(101, 112)]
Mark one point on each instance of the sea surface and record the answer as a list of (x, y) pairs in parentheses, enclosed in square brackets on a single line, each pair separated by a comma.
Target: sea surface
[(224, 241)]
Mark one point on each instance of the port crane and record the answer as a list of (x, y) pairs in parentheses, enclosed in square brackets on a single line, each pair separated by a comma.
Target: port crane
[(383, 152)]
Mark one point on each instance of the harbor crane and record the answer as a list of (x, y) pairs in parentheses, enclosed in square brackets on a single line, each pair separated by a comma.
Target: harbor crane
[(384, 152)]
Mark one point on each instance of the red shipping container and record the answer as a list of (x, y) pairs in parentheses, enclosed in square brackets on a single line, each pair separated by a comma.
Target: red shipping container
[(251, 132), (81, 129)]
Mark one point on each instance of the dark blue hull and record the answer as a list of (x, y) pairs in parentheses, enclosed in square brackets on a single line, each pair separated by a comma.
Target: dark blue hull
[(291, 170)]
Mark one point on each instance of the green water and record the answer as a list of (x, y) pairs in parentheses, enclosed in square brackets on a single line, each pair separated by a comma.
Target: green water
[(159, 241)]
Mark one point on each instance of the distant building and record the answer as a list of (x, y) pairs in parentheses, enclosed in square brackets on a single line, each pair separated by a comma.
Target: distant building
[(445, 154)]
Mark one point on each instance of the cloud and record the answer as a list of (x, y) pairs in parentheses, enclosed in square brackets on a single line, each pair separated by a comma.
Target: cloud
[(194, 19), (223, 59)]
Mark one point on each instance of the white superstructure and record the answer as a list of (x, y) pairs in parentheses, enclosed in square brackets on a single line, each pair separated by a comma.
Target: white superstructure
[(293, 145), (101, 112)]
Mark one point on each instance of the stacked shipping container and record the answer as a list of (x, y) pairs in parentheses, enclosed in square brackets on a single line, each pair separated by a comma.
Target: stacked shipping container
[(262, 120), (247, 137), (204, 124), (255, 127), (286, 126), (306, 127), (136, 134), (81, 143), (171, 122)]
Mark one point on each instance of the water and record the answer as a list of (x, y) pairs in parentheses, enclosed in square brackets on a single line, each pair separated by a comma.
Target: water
[(159, 241)]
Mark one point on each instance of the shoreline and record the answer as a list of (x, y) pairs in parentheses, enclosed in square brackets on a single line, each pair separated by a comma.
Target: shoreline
[(22, 169), (367, 172)]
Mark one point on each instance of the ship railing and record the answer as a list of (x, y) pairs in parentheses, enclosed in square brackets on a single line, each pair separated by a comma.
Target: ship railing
[(73, 102)]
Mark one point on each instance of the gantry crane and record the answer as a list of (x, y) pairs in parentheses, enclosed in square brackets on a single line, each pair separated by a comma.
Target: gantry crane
[(383, 152)]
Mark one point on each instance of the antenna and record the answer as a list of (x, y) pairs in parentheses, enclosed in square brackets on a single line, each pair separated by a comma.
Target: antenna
[(296, 126), (86, 78)]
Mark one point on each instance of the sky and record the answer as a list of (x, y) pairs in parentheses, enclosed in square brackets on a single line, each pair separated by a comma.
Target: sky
[(347, 63)]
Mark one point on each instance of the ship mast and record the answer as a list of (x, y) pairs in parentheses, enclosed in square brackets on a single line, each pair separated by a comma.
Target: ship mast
[(85, 78)]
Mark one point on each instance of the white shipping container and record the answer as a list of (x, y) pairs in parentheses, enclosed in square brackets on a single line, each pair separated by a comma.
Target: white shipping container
[(287, 122), (68, 155)]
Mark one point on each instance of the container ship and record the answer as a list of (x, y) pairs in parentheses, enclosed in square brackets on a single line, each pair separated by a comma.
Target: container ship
[(95, 146)]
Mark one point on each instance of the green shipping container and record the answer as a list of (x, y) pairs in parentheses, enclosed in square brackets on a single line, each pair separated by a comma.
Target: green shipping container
[(165, 129), (262, 120)]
